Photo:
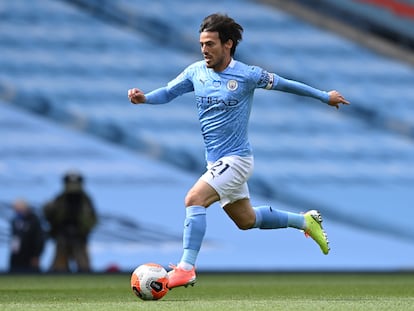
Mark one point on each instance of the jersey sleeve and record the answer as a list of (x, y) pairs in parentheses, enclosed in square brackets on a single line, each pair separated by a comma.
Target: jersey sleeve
[(264, 79), (271, 81), (299, 88), (159, 96), (180, 85)]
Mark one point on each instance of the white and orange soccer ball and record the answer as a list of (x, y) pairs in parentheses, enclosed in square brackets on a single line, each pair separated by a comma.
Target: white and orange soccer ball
[(149, 281)]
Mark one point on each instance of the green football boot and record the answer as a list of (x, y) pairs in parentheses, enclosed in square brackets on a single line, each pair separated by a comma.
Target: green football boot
[(313, 229)]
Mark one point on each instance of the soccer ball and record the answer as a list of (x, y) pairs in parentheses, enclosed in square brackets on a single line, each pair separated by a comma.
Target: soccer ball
[(149, 281)]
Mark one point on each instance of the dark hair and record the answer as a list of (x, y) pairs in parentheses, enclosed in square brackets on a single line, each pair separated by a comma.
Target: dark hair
[(226, 27)]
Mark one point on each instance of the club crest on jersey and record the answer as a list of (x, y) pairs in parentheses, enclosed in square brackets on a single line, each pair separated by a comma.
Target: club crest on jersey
[(232, 85)]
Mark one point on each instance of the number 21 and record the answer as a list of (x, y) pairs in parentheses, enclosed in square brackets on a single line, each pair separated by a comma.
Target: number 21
[(219, 168)]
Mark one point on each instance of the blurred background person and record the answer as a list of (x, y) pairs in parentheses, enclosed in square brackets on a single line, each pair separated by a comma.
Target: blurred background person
[(71, 216), (27, 239)]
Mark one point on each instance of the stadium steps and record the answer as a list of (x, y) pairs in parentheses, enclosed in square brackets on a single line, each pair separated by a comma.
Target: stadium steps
[(80, 78), (298, 59), (392, 20), (137, 224)]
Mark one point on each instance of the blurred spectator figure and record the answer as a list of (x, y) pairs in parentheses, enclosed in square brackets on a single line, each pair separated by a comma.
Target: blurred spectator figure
[(27, 239), (71, 216)]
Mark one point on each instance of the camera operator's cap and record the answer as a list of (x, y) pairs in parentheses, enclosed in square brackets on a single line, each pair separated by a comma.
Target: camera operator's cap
[(73, 177)]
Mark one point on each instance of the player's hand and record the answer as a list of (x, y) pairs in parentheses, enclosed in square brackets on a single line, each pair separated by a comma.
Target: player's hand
[(136, 96), (335, 98)]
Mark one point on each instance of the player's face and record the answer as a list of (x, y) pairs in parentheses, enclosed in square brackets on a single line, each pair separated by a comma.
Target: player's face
[(216, 54)]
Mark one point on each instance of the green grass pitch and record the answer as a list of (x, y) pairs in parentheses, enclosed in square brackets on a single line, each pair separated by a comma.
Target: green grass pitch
[(246, 291)]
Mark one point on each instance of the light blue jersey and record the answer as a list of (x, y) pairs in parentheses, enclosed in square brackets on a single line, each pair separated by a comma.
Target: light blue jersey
[(224, 100)]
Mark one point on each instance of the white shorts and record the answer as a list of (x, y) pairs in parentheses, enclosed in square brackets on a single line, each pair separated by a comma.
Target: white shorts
[(228, 176)]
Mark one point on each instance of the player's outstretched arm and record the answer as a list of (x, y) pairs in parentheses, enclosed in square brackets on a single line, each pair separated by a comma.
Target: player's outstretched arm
[(159, 96), (136, 96), (332, 98), (335, 98)]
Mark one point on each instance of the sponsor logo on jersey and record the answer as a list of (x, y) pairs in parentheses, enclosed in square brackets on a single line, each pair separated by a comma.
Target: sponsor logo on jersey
[(219, 103)]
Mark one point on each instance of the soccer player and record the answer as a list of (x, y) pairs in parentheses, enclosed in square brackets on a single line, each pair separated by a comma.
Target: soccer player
[(223, 89)]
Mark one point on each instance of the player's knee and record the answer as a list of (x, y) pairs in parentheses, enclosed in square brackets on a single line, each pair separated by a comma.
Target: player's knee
[(194, 200), (199, 198), (189, 200)]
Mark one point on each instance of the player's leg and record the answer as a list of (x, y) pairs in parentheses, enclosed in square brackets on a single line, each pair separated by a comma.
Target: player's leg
[(265, 217), (200, 196), (220, 178)]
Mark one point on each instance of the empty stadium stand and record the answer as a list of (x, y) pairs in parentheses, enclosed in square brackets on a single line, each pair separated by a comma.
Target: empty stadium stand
[(392, 20), (71, 62)]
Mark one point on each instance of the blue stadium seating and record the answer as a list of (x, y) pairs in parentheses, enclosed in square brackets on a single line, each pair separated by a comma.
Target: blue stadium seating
[(74, 63), (389, 15)]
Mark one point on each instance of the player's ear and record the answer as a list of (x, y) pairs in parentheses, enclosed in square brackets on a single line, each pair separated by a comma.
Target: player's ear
[(228, 44)]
